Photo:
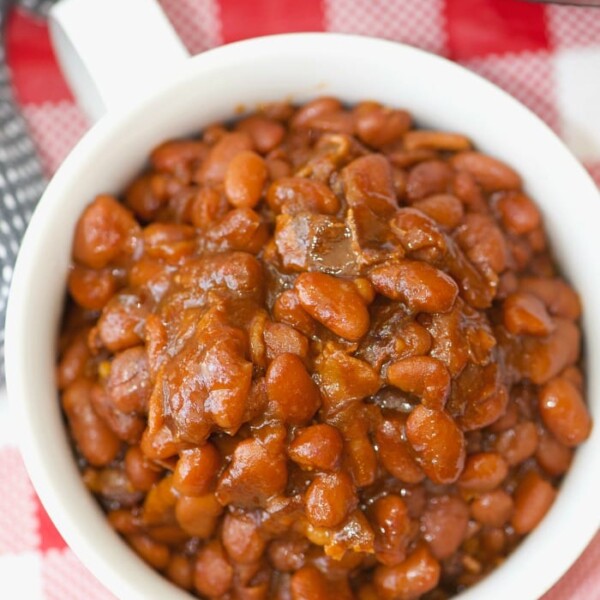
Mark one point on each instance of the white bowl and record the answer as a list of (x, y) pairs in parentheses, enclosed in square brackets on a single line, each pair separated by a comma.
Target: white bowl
[(211, 87)]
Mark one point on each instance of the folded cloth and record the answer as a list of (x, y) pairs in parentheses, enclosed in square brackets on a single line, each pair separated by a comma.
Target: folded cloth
[(21, 177)]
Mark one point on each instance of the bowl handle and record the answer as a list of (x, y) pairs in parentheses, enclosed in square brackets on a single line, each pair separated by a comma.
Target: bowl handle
[(113, 51)]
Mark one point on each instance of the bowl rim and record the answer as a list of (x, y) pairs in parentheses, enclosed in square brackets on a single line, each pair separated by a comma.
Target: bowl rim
[(108, 127)]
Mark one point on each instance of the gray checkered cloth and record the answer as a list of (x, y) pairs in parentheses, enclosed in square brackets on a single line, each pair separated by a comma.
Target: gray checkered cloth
[(21, 176)]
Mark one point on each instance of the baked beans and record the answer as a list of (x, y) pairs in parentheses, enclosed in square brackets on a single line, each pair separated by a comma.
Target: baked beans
[(319, 354)]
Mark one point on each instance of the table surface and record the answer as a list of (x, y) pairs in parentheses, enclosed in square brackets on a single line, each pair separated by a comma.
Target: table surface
[(547, 56)]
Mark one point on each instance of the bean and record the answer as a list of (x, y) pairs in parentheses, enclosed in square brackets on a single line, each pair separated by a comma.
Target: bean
[(447, 338), (124, 520), (95, 440), (196, 470), (392, 530), (282, 339), (213, 574), (278, 168), (121, 322), (292, 195), (445, 209), (422, 287), (365, 289), (405, 159), (538, 242), (438, 443), (169, 241), (253, 476), (333, 302), (315, 108), (340, 122), (564, 412), (521, 253), (518, 212), (409, 580), (288, 555), (428, 178), (214, 167), (329, 499), (419, 233), (533, 498), (256, 339), (148, 194), (172, 535), (244, 180), (492, 174), (541, 359), (155, 554), (157, 441), (140, 471), (361, 460), (469, 192), (518, 443), (444, 525), (180, 571), (379, 126), (413, 340), (208, 206), (242, 538), (483, 472), (400, 177), (484, 412), (436, 140), (294, 395), (128, 383), (526, 314), (103, 232), (175, 155), (159, 503), (394, 452), (73, 360), (198, 515), (492, 508), (344, 379), (91, 288), (266, 133), (483, 243), (555, 458), (111, 485), (309, 584), (240, 229), (574, 375), (560, 299), (213, 133), (287, 309), (493, 540), (368, 181), (317, 447), (423, 376), (179, 208)]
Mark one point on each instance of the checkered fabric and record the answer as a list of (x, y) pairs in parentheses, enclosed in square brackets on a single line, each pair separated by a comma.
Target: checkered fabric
[(547, 56)]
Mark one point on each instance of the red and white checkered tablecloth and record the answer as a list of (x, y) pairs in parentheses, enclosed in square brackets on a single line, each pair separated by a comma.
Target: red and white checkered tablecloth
[(546, 56)]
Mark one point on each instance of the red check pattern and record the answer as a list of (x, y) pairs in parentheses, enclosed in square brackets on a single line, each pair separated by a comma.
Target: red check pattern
[(543, 55)]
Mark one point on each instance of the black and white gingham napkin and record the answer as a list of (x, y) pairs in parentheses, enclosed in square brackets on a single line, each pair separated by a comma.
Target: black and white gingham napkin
[(21, 176)]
